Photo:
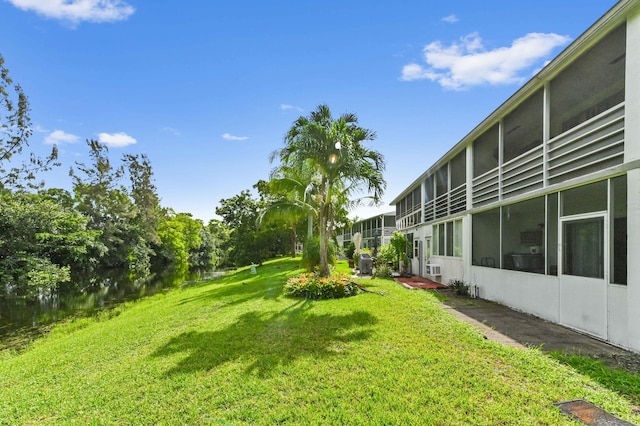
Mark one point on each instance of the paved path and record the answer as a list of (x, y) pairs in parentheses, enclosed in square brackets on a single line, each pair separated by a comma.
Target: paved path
[(502, 324)]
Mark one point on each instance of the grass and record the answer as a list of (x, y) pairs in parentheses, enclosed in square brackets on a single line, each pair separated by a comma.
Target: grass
[(234, 351), (620, 380)]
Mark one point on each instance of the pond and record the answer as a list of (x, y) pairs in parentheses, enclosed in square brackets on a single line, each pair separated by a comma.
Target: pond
[(24, 319)]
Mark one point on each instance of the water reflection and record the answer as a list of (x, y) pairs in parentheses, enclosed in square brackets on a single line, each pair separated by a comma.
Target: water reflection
[(18, 314)]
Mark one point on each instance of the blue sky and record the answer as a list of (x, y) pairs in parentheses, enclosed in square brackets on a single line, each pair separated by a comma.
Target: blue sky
[(207, 89)]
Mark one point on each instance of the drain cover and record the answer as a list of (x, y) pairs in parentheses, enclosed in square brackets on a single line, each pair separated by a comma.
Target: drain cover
[(589, 414)]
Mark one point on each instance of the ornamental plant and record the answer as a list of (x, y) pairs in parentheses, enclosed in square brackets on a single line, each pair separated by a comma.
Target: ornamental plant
[(314, 286)]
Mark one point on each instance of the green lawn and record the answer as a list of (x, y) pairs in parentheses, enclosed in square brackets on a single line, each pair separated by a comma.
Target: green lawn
[(235, 351)]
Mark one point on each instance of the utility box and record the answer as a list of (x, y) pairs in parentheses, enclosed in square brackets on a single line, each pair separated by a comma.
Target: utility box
[(365, 264)]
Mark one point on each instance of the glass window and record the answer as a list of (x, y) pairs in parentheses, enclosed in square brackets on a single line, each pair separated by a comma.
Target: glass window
[(590, 85), (439, 238), (618, 216), (486, 238), (442, 180), (459, 169), (389, 222), (523, 127), (523, 236), (585, 199), (457, 238), (449, 249), (485, 151), (428, 189), (552, 234), (583, 242)]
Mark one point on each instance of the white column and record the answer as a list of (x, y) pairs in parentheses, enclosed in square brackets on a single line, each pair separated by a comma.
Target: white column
[(632, 152)]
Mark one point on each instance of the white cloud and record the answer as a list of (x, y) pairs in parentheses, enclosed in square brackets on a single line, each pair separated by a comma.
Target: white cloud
[(76, 11), (171, 130), (231, 137), (116, 140), (452, 19), (287, 107), (60, 137), (467, 63)]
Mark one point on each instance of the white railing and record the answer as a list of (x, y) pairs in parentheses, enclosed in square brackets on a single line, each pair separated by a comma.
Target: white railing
[(523, 173), (486, 188), (593, 145)]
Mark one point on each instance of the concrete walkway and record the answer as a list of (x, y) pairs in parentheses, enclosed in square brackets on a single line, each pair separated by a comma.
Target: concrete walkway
[(523, 330), (510, 327)]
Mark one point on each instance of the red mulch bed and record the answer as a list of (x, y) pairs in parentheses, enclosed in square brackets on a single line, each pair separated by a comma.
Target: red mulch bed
[(413, 283)]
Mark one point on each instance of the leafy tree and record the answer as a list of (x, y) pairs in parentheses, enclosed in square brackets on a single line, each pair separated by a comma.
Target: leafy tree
[(100, 196), (15, 130), (147, 215), (398, 243), (43, 244), (333, 148), (248, 242), (221, 239), (185, 242)]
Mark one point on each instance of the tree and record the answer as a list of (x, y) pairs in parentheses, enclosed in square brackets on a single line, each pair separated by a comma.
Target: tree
[(181, 238), (398, 243), (15, 130), (147, 215), (248, 242), (43, 244), (100, 196), (334, 150)]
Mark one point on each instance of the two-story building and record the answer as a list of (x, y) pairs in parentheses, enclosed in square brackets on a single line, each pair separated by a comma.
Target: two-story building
[(375, 231), (538, 207)]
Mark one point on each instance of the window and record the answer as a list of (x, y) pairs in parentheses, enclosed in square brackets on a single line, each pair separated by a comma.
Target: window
[(485, 151), (523, 236), (428, 189), (459, 170), (457, 238), (409, 251), (447, 239), (486, 238), (442, 180), (590, 85), (583, 242), (389, 222), (585, 199), (416, 248), (618, 216), (523, 127), (552, 234)]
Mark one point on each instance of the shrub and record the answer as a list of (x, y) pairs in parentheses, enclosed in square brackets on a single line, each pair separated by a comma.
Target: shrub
[(312, 286), (460, 287), (386, 254), (348, 252), (382, 270)]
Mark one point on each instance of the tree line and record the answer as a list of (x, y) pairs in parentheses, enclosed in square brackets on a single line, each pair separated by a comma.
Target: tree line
[(51, 238)]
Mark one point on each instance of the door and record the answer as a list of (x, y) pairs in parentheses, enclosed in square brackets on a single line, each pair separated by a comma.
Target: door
[(583, 274), (427, 256)]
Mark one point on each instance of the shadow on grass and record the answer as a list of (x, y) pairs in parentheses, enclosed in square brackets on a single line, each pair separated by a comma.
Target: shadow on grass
[(264, 341), (243, 286)]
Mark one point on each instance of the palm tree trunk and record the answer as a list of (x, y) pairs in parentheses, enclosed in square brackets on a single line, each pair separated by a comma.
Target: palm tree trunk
[(294, 237)]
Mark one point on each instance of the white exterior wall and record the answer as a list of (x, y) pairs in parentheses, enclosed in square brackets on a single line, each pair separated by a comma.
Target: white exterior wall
[(632, 152), (533, 293)]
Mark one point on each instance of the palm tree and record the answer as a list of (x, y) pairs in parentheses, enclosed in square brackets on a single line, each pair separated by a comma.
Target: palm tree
[(333, 150)]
